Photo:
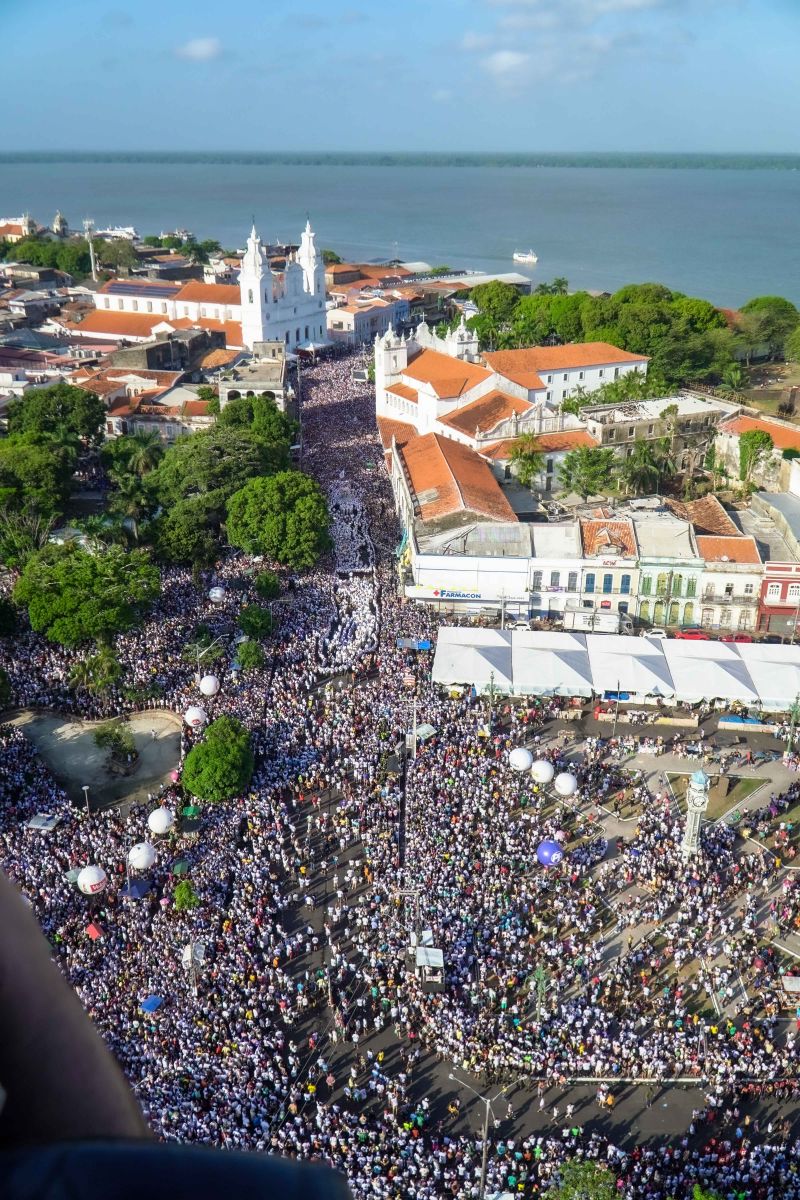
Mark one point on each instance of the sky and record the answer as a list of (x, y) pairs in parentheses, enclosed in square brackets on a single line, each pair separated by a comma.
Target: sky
[(369, 75)]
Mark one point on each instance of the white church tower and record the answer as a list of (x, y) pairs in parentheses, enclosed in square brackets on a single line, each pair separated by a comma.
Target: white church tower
[(311, 262), (255, 288)]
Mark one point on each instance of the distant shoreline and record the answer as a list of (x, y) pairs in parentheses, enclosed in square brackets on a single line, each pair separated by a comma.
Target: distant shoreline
[(605, 160)]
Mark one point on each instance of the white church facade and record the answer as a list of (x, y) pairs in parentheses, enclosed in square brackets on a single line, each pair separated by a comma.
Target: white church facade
[(264, 305)]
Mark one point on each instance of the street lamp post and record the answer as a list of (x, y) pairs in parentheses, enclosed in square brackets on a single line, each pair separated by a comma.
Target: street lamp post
[(202, 653), (487, 1102), (85, 790), (794, 712)]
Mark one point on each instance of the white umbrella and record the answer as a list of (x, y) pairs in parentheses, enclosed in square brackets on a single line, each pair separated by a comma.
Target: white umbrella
[(209, 685), (161, 820), (520, 759), (195, 716), (543, 771), (216, 595), (92, 880), (566, 784), (142, 856)]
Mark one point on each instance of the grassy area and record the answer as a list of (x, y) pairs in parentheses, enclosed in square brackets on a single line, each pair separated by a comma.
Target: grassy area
[(720, 802)]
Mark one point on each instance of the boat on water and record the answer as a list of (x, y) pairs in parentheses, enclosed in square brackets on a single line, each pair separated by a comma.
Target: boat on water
[(525, 256)]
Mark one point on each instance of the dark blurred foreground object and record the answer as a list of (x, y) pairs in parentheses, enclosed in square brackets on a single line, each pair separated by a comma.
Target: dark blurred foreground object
[(71, 1129), (133, 1170)]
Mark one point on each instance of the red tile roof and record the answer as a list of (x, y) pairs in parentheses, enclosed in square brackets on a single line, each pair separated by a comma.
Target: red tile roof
[(548, 443), (389, 428), (614, 538), (405, 393), (728, 549), (209, 293), (784, 437), (526, 366), (448, 376), (706, 515), (231, 329), (485, 413), (447, 478), (122, 324)]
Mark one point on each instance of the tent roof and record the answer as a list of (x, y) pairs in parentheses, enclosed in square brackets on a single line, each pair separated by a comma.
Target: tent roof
[(628, 664), (708, 670)]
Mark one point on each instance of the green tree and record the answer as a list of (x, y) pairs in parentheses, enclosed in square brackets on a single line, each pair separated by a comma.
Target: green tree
[(187, 532), (284, 517), (330, 257), (96, 673), (733, 383), (116, 736), (131, 503), (145, 452), (643, 469), (527, 459), (255, 621), (216, 462), (184, 897), (268, 585), (34, 476), (250, 656), (585, 1181), (118, 253), (775, 319), (262, 415), (57, 408), (221, 766), (6, 690), (72, 595), (496, 301), (204, 392), (587, 470), (753, 446), (791, 346)]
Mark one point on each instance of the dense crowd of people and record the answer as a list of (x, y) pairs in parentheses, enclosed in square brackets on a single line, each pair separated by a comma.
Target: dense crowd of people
[(303, 1029)]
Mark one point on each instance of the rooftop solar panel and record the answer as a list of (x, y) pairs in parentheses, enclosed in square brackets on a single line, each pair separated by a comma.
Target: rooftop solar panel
[(130, 288)]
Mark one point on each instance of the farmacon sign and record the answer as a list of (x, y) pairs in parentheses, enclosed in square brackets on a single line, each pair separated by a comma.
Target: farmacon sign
[(424, 591)]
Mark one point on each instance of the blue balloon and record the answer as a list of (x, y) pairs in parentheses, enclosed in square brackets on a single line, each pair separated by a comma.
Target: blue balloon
[(549, 853)]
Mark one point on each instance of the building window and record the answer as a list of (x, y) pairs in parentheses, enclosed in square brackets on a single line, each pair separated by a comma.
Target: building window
[(565, 377), (748, 589), (662, 585), (644, 611), (536, 581), (631, 430), (549, 378), (612, 433), (707, 616), (149, 305), (163, 306), (555, 578), (120, 305), (691, 586), (708, 591), (625, 585), (794, 592), (601, 372), (774, 591), (107, 302), (572, 581), (623, 606), (608, 583), (646, 585), (580, 374), (588, 585), (650, 428), (549, 396), (688, 614), (249, 295), (728, 589), (616, 372)]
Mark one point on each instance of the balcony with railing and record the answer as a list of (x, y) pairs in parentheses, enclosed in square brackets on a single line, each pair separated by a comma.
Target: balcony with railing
[(741, 599)]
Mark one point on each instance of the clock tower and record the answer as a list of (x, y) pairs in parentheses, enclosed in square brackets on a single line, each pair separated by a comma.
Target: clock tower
[(696, 805)]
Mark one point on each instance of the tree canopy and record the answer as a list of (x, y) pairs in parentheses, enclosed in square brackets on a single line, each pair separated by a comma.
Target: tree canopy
[(771, 320), (262, 415), (284, 517), (221, 766), (527, 459), (56, 410), (588, 470), (215, 462), (753, 445), (71, 256), (585, 1181), (35, 475), (72, 595)]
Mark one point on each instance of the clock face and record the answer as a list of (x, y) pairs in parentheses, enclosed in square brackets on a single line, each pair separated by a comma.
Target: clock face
[(697, 801)]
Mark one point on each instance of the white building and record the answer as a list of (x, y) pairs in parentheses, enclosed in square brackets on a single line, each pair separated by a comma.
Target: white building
[(730, 583), (264, 305)]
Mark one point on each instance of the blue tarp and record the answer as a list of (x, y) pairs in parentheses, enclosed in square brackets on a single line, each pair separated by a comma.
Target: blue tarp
[(151, 1004), (136, 889)]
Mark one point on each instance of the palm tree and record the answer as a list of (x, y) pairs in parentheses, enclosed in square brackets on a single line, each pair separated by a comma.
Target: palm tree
[(733, 383), (559, 286), (130, 501), (145, 451), (643, 469)]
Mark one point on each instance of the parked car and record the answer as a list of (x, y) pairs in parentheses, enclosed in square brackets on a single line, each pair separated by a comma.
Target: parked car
[(773, 639), (656, 632), (736, 637), (693, 633)]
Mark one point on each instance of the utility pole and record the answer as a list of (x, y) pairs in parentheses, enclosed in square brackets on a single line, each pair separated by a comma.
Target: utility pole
[(88, 228), (414, 729), (616, 713), (487, 1102), (491, 697)]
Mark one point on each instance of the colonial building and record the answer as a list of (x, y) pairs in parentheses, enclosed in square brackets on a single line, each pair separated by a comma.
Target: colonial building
[(610, 575), (264, 305), (731, 582), (687, 421)]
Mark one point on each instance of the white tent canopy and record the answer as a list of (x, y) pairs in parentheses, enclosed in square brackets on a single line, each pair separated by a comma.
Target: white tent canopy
[(708, 671), (633, 665), (550, 664), (480, 657), (575, 664)]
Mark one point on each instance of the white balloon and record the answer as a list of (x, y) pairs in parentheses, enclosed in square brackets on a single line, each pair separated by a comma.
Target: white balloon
[(543, 771), (216, 595), (195, 716), (92, 880), (566, 784), (209, 685), (520, 759), (142, 856), (161, 820)]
